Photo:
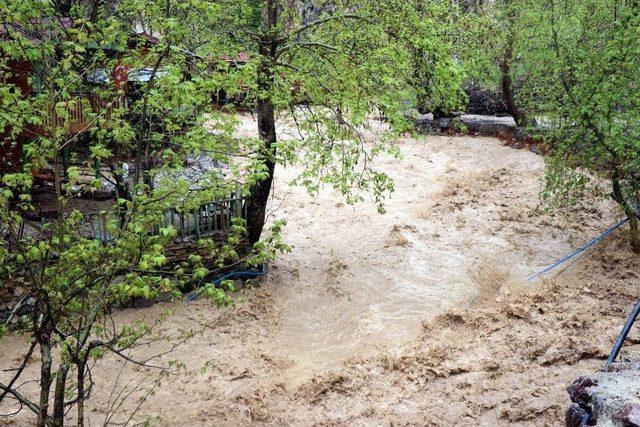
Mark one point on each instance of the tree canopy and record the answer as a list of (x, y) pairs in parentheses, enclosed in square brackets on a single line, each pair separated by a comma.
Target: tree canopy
[(118, 97)]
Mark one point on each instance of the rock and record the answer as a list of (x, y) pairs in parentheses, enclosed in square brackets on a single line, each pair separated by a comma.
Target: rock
[(578, 390), (504, 127), (627, 416), (426, 124), (444, 122), (576, 416), (610, 398)]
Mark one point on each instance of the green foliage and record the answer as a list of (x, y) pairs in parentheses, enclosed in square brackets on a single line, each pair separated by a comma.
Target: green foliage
[(574, 67), (588, 64), (483, 36), (328, 75), (72, 279)]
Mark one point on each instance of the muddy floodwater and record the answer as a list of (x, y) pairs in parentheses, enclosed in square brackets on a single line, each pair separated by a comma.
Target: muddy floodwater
[(357, 292), (359, 282)]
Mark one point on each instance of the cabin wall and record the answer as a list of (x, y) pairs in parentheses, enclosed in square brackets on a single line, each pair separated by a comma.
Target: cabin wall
[(11, 146)]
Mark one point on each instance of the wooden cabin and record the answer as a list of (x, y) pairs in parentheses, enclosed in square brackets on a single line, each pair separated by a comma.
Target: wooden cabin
[(24, 77), (221, 97)]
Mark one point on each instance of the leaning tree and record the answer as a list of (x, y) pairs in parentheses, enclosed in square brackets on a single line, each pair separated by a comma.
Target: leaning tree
[(585, 55), (490, 49)]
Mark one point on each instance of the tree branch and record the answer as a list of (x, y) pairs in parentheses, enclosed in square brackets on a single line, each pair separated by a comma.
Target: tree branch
[(320, 22), (20, 398)]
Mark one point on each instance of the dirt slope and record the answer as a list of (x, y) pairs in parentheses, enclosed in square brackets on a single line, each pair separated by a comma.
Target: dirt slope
[(420, 316)]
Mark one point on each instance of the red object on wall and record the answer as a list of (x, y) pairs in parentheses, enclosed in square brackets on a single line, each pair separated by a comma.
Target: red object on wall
[(120, 75)]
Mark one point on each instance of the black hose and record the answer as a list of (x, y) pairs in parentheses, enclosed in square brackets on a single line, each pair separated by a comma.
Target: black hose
[(236, 274), (623, 336)]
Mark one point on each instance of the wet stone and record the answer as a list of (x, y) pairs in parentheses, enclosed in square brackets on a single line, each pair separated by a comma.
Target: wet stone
[(627, 416), (504, 127), (576, 416), (578, 390), (610, 398)]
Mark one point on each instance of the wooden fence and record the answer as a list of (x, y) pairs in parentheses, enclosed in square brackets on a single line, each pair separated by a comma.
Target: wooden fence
[(209, 218)]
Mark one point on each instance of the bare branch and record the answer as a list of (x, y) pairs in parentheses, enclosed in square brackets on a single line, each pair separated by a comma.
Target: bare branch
[(20, 398)]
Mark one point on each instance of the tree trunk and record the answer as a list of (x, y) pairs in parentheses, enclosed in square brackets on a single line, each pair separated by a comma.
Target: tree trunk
[(122, 186), (95, 7), (81, 391), (634, 234), (58, 397), (63, 7), (45, 380), (618, 196), (257, 204), (506, 83), (508, 91)]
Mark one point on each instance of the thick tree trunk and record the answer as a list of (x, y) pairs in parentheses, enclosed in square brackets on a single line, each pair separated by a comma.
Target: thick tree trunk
[(257, 204), (508, 91)]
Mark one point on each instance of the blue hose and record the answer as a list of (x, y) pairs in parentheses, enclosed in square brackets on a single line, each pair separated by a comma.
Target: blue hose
[(579, 251), (236, 274)]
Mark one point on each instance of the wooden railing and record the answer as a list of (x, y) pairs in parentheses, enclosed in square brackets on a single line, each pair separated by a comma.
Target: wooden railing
[(78, 118), (208, 219)]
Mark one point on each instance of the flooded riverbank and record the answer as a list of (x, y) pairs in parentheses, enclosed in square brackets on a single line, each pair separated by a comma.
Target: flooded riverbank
[(310, 343)]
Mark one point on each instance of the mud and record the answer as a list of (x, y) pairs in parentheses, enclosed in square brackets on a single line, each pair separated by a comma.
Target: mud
[(421, 316)]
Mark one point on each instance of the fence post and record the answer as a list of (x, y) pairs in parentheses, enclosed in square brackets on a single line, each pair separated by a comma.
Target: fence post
[(196, 214), (237, 203), (103, 217)]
